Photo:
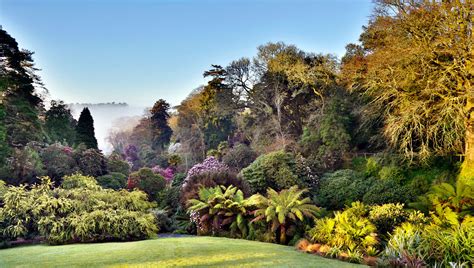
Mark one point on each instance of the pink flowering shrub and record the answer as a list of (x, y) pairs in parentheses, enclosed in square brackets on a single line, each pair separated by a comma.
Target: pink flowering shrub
[(167, 173)]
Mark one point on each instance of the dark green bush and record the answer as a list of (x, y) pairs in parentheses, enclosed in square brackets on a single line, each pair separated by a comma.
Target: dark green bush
[(147, 181), (115, 163), (163, 221), (58, 161), (275, 170), (341, 188), (113, 180), (178, 179), (386, 191), (91, 162), (239, 157)]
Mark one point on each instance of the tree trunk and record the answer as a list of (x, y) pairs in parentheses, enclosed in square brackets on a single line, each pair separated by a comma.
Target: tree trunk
[(282, 234), (467, 168)]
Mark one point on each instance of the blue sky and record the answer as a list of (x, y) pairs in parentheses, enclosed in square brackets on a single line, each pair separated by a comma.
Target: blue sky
[(140, 51)]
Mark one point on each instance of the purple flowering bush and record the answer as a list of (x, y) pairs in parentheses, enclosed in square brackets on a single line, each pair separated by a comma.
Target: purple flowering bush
[(210, 164), (167, 173), (209, 173)]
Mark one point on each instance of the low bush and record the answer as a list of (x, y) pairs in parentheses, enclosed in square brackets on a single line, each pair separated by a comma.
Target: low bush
[(91, 162), (276, 170), (386, 191), (387, 216), (147, 181), (447, 240), (348, 230), (113, 180), (116, 164), (219, 210), (193, 183), (341, 188), (78, 211), (58, 161), (239, 157), (283, 212)]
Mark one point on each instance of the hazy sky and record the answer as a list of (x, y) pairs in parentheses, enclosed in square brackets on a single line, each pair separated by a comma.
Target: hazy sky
[(140, 51)]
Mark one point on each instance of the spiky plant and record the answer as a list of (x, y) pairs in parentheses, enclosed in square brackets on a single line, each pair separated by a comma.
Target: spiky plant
[(283, 209), (221, 207)]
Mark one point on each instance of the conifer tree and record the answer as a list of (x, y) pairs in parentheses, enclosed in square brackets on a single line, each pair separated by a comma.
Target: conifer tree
[(21, 104), (85, 130), (159, 124)]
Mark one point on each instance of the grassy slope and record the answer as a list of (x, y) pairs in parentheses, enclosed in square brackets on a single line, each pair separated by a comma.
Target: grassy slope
[(184, 252)]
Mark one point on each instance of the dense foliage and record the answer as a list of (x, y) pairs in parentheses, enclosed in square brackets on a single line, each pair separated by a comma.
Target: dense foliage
[(276, 170), (375, 137), (78, 211)]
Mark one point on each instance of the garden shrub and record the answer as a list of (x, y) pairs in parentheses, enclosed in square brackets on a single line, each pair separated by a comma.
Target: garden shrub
[(341, 188), (210, 164), (403, 247), (168, 199), (193, 183), (348, 230), (91, 162), (115, 164), (163, 221), (386, 191), (276, 170), (447, 240), (78, 211), (387, 216), (373, 166), (239, 157), (284, 212), (146, 180), (24, 165), (178, 179), (77, 180), (113, 180), (166, 173), (58, 161), (220, 210), (393, 173)]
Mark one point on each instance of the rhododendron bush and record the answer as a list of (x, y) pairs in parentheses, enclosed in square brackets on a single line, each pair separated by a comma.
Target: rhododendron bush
[(167, 173)]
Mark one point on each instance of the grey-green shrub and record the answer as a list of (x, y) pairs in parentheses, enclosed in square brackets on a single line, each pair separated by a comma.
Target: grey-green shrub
[(276, 170), (239, 157)]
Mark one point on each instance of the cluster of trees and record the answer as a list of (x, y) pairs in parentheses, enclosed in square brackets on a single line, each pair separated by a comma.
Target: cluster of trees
[(28, 129), (404, 89)]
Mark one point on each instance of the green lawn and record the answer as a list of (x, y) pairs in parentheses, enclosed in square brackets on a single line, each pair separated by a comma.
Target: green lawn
[(165, 252)]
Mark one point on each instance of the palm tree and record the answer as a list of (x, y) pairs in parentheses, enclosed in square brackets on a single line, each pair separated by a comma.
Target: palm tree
[(283, 208), (220, 207)]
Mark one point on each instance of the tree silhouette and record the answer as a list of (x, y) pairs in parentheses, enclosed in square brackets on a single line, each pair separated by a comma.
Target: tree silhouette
[(85, 130)]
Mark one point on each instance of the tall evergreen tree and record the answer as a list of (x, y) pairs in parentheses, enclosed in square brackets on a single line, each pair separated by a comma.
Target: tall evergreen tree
[(159, 124), (21, 103), (59, 123), (85, 130)]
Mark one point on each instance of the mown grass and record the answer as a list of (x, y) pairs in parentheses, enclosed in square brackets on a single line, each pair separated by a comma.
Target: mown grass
[(165, 252)]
